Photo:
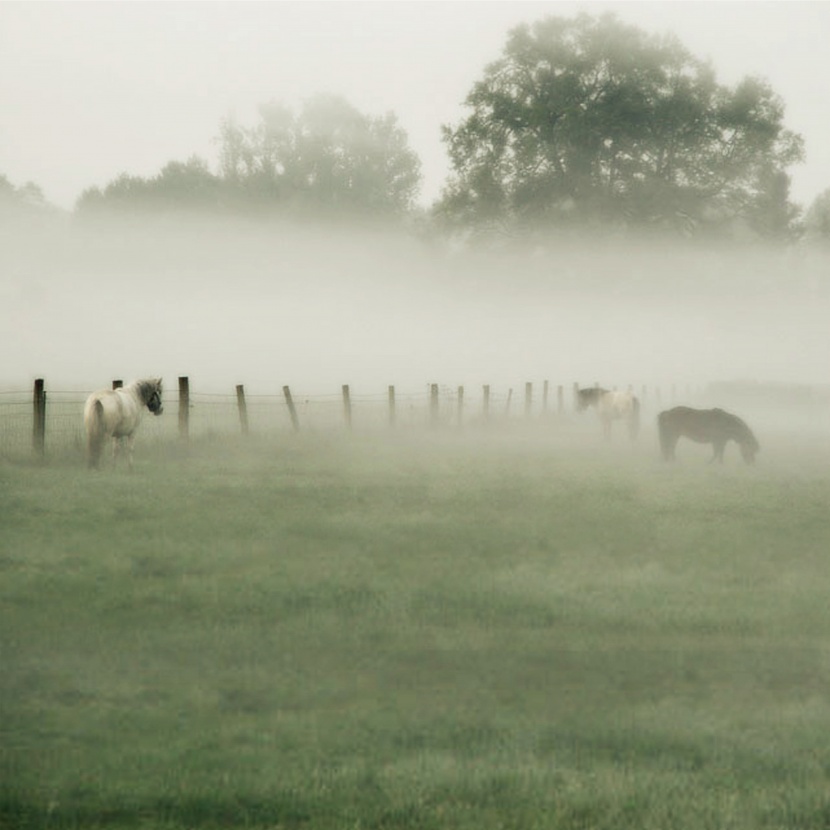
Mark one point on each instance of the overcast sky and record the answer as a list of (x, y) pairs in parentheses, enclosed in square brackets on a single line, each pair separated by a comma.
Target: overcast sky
[(90, 90)]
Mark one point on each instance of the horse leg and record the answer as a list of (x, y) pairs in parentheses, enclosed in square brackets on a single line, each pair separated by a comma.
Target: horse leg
[(130, 441), (115, 449), (717, 451)]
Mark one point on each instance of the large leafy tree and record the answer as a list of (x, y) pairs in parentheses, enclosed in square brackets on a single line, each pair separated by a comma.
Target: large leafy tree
[(328, 158), (588, 120)]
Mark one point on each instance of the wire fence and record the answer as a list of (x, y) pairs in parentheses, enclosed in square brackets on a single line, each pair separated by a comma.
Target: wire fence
[(213, 415), (54, 425)]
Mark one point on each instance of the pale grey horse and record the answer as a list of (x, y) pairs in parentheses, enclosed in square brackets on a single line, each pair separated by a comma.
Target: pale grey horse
[(612, 406), (116, 414)]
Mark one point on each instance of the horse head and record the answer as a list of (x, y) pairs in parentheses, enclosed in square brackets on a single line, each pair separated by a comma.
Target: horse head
[(152, 396), (588, 397), (749, 447)]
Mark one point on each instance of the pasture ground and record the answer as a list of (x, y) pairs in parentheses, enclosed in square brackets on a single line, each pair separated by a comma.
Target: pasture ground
[(524, 629)]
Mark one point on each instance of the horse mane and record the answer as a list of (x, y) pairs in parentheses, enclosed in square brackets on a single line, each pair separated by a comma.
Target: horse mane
[(593, 390), (591, 394), (146, 387), (738, 427)]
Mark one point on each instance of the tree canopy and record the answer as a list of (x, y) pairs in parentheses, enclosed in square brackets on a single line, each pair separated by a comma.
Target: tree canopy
[(329, 160), (817, 219), (187, 184), (23, 199), (590, 122)]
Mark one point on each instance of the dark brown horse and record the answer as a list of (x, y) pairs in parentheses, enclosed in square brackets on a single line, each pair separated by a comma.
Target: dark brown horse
[(705, 426)]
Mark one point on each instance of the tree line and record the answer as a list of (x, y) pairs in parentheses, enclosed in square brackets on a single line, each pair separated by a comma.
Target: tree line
[(581, 123), (327, 160)]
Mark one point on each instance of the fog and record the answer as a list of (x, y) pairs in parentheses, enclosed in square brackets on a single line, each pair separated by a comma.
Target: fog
[(268, 304)]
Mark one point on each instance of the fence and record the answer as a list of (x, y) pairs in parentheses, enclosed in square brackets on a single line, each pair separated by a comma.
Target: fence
[(46, 420)]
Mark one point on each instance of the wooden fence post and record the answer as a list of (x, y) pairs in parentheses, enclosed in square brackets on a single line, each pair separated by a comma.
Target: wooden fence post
[(433, 404), (39, 417), (485, 408), (184, 408), (576, 396), (117, 384), (460, 405), (291, 410), (392, 414), (507, 405), (560, 399), (545, 391), (347, 405), (528, 399), (242, 406)]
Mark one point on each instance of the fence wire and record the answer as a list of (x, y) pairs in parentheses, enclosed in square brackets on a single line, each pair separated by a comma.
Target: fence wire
[(219, 414)]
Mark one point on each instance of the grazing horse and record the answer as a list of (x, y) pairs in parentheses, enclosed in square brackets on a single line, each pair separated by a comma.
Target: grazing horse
[(705, 426), (611, 406), (116, 414)]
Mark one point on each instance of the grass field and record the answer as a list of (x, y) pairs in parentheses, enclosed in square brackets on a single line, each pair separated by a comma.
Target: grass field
[(513, 629)]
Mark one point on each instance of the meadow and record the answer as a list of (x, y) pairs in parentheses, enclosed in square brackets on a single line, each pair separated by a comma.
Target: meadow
[(518, 627)]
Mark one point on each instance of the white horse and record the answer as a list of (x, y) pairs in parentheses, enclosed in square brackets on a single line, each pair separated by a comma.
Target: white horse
[(612, 406), (116, 414)]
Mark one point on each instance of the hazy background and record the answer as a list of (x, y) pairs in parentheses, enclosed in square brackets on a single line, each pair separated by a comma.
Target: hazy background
[(93, 90), (266, 306)]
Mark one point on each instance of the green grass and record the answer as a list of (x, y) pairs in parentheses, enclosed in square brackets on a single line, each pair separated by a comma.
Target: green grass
[(453, 631)]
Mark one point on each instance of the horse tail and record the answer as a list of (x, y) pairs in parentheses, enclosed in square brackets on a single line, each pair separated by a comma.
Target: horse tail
[(95, 432)]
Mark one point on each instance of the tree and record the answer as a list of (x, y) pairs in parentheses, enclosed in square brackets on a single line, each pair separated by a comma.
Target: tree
[(26, 198), (770, 214), (590, 121), (817, 219), (187, 183), (179, 185), (329, 159)]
